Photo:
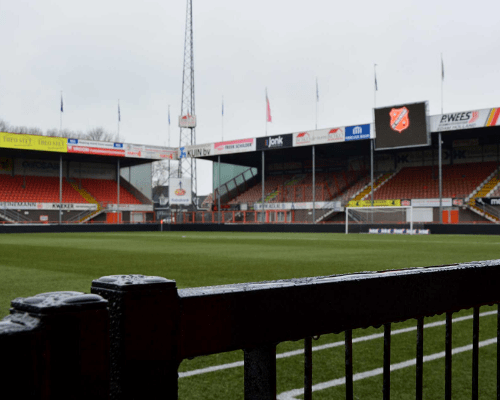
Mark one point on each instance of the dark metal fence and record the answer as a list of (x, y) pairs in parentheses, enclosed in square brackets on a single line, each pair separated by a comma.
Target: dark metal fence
[(127, 339)]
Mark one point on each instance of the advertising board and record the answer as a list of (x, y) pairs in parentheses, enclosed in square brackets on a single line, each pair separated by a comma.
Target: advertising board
[(357, 132), (95, 147), (330, 205), (430, 202), (32, 142), (275, 142), (319, 136), (234, 146), (179, 191), (491, 201), (47, 206), (465, 120), (201, 150), (401, 126), (376, 203), (187, 121)]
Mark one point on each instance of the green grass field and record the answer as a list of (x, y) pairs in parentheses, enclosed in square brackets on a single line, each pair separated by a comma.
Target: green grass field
[(36, 263)]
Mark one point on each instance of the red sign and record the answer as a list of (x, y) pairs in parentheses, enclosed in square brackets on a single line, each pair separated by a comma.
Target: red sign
[(96, 151), (399, 119)]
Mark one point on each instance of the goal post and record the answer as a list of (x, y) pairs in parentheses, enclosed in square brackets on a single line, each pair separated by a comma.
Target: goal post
[(393, 217)]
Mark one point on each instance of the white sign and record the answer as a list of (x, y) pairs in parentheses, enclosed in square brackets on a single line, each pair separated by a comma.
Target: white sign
[(430, 202), (201, 150), (234, 146), (187, 121), (319, 136), (47, 206), (330, 205), (179, 191), (465, 120)]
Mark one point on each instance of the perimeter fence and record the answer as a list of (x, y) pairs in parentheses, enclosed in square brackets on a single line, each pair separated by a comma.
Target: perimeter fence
[(127, 338)]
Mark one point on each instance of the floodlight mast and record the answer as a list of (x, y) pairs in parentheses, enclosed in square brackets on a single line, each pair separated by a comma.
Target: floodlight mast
[(187, 119)]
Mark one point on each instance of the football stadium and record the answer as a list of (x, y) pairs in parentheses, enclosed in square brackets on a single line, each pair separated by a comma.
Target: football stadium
[(319, 321), (350, 262)]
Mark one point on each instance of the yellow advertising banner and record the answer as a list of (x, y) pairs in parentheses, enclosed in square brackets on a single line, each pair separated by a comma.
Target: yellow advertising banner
[(376, 203), (33, 142)]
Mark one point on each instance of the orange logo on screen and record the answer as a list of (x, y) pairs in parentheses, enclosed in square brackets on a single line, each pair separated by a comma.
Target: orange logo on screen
[(399, 119), (180, 192)]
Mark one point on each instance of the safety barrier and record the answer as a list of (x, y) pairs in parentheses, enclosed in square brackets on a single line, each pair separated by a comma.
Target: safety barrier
[(57, 343)]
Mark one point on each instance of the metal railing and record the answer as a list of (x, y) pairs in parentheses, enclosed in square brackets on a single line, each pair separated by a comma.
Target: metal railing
[(127, 339)]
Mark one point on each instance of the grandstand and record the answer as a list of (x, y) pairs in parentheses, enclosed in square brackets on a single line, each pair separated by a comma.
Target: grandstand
[(59, 180), (294, 184)]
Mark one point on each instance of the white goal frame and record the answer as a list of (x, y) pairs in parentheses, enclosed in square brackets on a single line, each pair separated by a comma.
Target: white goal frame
[(408, 208)]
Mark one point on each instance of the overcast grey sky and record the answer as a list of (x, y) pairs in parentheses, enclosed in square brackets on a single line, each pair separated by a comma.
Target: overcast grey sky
[(97, 52)]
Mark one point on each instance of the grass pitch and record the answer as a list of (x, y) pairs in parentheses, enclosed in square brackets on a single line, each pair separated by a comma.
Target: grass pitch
[(36, 263)]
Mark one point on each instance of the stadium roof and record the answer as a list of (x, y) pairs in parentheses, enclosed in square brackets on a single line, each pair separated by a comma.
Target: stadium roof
[(81, 150), (341, 142)]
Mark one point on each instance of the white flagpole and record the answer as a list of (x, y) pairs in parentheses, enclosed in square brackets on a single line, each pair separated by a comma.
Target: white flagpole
[(61, 113), (222, 128), (317, 100), (169, 145), (119, 118), (267, 110), (442, 81), (376, 87)]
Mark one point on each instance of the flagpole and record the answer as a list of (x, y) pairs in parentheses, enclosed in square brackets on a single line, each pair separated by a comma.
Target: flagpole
[(169, 145), (376, 88), (317, 99), (267, 112), (60, 114), (222, 128), (442, 81), (119, 117)]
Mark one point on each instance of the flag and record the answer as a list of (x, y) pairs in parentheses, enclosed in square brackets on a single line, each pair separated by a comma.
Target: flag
[(268, 111), (317, 91), (119, 116), (376, 86), (442, 67), (62, 106)]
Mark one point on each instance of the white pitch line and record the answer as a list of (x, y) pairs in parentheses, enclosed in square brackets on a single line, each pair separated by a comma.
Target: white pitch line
[(329, 345), (292, 394)]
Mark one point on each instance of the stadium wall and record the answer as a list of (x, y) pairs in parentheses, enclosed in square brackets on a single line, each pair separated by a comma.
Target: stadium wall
[(452, 229)]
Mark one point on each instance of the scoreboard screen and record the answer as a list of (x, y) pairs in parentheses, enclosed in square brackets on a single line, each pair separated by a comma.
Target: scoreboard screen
[(401, 126)]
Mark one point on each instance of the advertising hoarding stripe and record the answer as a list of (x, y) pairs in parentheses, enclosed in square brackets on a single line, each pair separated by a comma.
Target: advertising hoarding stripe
[(493, 118)]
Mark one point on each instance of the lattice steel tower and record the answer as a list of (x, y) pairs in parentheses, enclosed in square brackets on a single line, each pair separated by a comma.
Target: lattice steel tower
[(187, 120)]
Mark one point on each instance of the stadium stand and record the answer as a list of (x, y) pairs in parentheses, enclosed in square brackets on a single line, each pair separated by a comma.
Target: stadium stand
[(459, 181), (105, 191), (36, 189)]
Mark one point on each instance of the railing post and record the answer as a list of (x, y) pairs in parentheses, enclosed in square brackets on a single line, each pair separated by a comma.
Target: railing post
[(260, 373), (144, 319), (73, 352), (22, 367)]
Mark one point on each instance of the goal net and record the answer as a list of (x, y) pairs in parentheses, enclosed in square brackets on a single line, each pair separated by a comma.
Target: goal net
[(360, 219)]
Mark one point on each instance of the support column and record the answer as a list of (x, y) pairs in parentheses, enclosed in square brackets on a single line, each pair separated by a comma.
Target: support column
[(218, 190), (260, 373), (440, 156), (314, 182), (60, 188), (371, 167), (263, 185), (118, 190)]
